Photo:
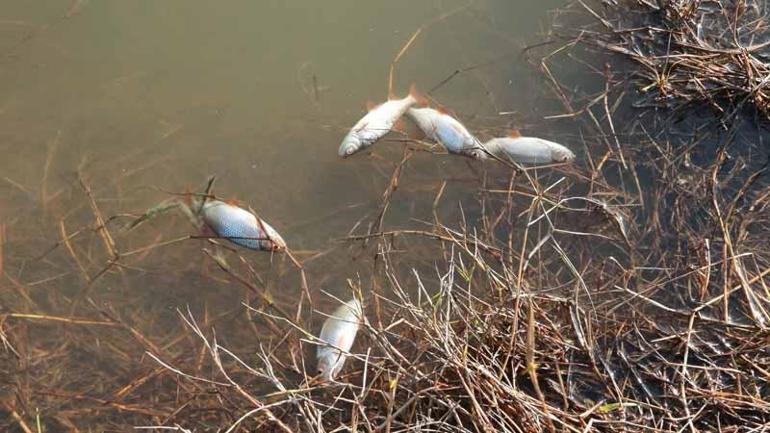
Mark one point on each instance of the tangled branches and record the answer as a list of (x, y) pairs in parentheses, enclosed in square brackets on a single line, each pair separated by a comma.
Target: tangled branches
[(695, 53)]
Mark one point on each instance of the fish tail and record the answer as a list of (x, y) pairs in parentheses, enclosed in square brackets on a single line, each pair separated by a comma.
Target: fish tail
[(422, 101)]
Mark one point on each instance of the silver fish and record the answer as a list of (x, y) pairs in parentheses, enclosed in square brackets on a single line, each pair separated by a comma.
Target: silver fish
[(376, 124), (444, 129), (338, 332), (529, 150), (240, 227)]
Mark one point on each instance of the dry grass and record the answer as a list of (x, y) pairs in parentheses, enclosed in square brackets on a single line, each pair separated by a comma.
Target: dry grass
[(695, 53)]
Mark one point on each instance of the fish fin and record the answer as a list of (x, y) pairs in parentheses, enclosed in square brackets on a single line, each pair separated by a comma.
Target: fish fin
[(187, 197), (514, 133), (422, 101), (232, 202), (445, 111), (399, 126), (371, 105)]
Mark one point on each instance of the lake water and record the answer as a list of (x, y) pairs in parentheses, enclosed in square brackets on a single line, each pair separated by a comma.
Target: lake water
[(142, 97)]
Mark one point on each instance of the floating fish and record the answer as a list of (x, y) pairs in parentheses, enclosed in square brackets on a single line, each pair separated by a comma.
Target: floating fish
[(376, 124), (240, 227), (444, 129), (528, 150), (338, 332)]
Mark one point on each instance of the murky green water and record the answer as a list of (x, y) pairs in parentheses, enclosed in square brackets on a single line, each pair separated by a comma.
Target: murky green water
[(163, 94), (144, 96)]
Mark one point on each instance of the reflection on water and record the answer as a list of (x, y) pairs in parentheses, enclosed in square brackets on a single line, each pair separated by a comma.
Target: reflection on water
[(142, 97)]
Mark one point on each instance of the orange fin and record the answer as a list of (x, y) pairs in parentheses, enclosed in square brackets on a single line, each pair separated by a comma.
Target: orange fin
[(443, 110), (399, 126), (514, 133), (232, 202), (187, 197), (422, 101), (371, 105)]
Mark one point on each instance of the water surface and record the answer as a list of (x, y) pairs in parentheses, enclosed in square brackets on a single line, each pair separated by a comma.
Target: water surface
[(141, 97)]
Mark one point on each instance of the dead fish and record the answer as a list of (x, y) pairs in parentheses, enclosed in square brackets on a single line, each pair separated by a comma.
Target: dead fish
[(338, 332), (240, 226), (528, 150), (441, 127), (376, 124)]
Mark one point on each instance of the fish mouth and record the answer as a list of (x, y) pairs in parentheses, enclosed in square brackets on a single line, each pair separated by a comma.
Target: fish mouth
[(350, 145), (272, 241), (478, 154), (563, 155), (323, 371), (275, 244), (346, 150)]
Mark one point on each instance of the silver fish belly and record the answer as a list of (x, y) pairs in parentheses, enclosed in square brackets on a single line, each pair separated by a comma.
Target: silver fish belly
[(529, 150), (447, 131), (338, 333), (240, 227), (374, 125)]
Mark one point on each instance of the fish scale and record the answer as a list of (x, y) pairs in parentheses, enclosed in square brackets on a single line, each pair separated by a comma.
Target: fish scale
[(239, 232), (450, 138), (240, 226)]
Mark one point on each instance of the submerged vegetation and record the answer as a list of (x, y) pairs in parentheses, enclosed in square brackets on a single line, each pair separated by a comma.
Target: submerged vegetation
[(627, 293)]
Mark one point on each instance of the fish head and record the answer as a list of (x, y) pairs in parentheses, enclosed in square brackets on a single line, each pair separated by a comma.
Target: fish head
[(477, 153), (274, 241), (329, 363), (476, 150), (350, 145), (274, 244), (562, 154), (269, 240), (324, 368)]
